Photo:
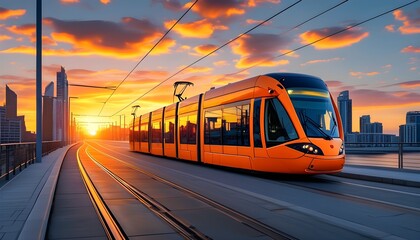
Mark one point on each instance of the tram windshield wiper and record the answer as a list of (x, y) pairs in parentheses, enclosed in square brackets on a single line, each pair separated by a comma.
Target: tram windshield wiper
[(315, 125)]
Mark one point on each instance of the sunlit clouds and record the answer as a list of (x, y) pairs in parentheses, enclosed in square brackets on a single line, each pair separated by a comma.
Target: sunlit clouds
[(198, 29), (217, 8), (410, 25), (344, 39), (259, 48), (321, 61), (411, 49), (363, 74), (11, 13), (126, 39)]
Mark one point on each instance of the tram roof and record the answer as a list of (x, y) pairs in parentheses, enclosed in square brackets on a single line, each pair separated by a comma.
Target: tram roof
[(297, 80)]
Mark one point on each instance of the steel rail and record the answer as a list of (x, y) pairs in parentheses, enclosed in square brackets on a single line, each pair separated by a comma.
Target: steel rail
[(184, 229), (239, 217), (112, 229)]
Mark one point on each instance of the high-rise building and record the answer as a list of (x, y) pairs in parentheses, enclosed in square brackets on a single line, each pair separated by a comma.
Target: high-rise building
[(410, 132), (62, 119), (413, 117), (345, 109), (49, 125), (11, 130), (11, 103), (364, 123)]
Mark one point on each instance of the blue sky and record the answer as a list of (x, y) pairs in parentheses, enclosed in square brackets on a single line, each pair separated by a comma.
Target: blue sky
[(99, 42)]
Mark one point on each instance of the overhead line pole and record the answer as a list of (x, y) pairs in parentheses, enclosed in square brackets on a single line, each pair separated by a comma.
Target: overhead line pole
[(38, 154)]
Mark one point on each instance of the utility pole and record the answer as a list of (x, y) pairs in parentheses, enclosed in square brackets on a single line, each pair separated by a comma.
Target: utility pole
[(38, 155)]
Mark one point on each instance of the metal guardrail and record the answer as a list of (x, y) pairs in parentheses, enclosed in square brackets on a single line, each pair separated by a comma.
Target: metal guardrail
[(16, 156), (385, 154)]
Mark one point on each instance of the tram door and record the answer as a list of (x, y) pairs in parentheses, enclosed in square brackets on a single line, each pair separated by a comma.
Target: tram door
[(258, 127)]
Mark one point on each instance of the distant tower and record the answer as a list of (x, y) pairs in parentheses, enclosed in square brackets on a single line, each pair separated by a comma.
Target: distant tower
[(11, 103), (345, 109), (62, 105), (62, 85), (49, 116), (410, 132), (364, 123)]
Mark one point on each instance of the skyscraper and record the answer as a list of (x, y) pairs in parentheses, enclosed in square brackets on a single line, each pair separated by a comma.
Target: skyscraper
[(49, 121), (364, 123), (345, 109), (410, 132), (11, 103), (62, 105)]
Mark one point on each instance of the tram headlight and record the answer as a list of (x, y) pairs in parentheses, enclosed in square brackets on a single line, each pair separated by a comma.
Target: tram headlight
[(341, 151), (308, 148)]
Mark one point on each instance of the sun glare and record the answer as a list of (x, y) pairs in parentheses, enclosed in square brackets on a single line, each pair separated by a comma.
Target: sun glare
[(92, 132)]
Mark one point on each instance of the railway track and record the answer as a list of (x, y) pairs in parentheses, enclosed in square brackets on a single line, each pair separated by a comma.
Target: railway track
[(183, 225)]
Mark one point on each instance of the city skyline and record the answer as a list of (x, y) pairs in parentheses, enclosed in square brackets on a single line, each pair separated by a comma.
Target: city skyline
[(99, 42)]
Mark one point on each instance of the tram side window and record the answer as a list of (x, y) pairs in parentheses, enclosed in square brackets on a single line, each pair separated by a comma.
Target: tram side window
[(170, 130), (278, 126), (213, 126), (157, 132), (236, 125), (256, 118), (144, 133), (188, 129)]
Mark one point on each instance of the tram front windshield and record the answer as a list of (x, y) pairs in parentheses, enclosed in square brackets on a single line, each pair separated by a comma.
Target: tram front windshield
[(315, 111)]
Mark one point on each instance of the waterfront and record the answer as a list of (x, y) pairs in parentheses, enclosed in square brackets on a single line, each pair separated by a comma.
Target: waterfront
[(411, 160)]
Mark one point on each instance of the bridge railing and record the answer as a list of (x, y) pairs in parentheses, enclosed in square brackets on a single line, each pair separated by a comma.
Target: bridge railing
[(398, 155), (16, 156)]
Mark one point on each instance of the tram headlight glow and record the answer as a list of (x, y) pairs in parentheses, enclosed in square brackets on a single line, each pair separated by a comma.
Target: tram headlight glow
[(308, 148), (341, 151)]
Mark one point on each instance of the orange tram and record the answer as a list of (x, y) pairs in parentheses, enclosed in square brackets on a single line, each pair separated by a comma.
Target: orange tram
[(277, 122)]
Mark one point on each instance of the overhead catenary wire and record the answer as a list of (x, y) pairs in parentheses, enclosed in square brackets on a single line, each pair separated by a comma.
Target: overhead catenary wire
[(147, 54), (208, 54), (323, 38), (283, 54)]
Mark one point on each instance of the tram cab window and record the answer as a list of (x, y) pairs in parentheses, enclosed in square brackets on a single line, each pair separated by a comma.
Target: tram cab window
[(278, 126), (144, 133)]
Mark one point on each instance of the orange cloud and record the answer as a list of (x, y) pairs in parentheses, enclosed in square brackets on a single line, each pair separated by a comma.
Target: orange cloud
[(259, 49), (411, 49), (410, 26), (9, 13), (217, 9), (362, 74), (344, 39), (205, 49), (27, 30), (126, 39), (221, 63), (4, 38), (254, 3), (408, 85), (199, 29), (69, 1), (321, 61), (253, 21), (105, 2), (390, 28)]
